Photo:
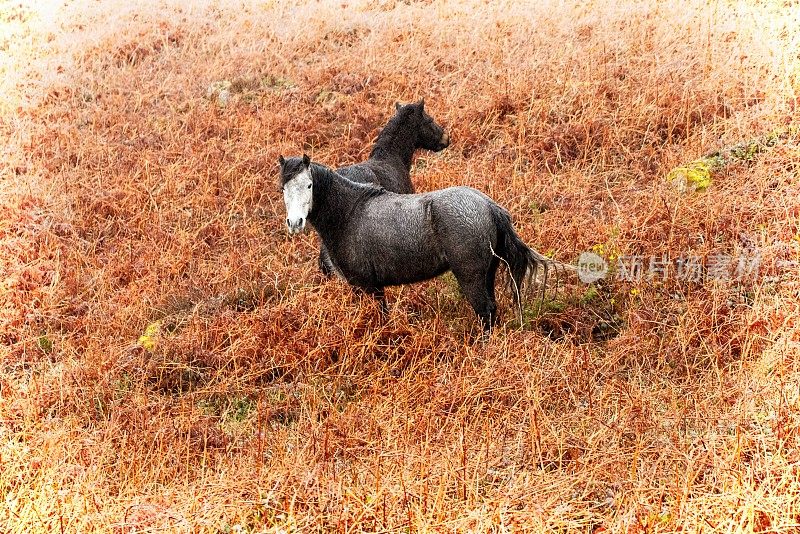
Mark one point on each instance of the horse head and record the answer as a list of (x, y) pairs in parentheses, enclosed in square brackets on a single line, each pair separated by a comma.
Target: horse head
[(430, 135), (298, 191)]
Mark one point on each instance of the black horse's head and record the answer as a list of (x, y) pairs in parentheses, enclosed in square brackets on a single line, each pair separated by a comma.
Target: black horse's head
[(430, 135)]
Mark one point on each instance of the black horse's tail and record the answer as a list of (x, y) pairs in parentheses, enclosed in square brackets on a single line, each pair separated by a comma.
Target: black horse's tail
[(521, 260)]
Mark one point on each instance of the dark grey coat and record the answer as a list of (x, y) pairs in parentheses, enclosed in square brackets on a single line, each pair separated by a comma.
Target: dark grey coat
[(377, 238), (389, 163)]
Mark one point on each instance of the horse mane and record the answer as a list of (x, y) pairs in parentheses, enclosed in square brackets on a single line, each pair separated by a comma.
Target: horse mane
[(366, 190), (391, 132)]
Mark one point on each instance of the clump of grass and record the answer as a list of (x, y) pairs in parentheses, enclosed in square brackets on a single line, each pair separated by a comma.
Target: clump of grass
[(45, 344), (232, 409)]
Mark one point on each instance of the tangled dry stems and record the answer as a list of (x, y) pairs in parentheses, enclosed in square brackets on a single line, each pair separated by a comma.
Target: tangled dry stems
[(272, 399)]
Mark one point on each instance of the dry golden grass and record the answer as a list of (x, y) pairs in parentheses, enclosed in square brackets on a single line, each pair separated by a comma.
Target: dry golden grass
[(267, 399)]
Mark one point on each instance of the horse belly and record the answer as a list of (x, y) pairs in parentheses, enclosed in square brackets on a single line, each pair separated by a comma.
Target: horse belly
[(409, 265), (379, 259)]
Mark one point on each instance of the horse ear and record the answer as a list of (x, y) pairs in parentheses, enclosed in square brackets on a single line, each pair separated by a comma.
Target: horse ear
[(397, 106), (422, 104), (281, 160), (306, 161)]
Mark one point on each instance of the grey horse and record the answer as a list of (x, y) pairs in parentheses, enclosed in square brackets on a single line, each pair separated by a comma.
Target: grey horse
[(377, 238), (389, 163)]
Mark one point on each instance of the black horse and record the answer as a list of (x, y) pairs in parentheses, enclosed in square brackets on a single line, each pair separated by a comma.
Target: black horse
[(378, 238), (389, 163)]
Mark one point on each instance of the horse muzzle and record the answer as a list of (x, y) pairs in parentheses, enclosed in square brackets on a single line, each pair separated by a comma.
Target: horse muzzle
[(295, 226), (444, 142)]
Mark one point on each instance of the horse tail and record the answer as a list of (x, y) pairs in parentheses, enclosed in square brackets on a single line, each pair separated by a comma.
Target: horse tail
[(522, 261)]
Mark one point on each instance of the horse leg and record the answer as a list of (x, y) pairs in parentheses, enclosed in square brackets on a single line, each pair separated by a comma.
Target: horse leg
[(477, 290), (378, 294), (325, 263), (489, 280)]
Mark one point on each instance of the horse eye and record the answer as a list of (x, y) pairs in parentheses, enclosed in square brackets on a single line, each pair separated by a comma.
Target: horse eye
[(309, 185)]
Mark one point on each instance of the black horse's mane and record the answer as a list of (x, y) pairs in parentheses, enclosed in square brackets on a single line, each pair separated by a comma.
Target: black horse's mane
[(390, 134), (327, 174)]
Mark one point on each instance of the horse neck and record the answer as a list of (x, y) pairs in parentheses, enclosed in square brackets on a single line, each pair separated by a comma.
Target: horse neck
[(333, 202), (396, 142)]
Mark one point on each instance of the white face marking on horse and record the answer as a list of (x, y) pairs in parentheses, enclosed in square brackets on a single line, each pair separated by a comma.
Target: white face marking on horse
[(297, 195)]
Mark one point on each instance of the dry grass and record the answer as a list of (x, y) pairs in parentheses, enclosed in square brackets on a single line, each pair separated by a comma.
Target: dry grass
[(274, 400)]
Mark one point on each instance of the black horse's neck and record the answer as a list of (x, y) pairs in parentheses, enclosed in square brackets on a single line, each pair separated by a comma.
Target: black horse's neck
[(334, 200), (397, 140)]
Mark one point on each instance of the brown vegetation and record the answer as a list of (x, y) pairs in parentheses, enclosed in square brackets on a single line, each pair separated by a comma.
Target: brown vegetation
[(172, 360)]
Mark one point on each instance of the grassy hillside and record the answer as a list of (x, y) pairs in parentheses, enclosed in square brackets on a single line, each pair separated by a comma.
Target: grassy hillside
[(171, 360)]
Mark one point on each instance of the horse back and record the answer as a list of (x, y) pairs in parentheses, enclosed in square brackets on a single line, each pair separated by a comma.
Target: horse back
[(380, 173), (463, 219)]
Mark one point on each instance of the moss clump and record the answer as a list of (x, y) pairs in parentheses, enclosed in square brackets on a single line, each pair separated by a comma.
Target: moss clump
[(149, 338), (695, 176), (45, 344)]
